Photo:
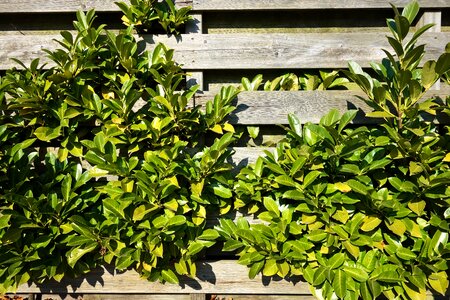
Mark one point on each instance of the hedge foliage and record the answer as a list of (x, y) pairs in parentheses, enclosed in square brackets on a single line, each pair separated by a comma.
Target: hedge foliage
[(357, 212), (102, 163)]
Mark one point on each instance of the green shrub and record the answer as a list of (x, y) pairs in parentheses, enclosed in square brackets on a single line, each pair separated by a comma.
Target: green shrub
[(143, 14), (292, 82), (142, 198), (358, 212)]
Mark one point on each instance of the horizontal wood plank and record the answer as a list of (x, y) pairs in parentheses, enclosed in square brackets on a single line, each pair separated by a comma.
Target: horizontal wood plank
[(215, 277), (245, 51), (272, 108), (38, 6), (110, 297), (41, 6), (208, 5), (262, 297)]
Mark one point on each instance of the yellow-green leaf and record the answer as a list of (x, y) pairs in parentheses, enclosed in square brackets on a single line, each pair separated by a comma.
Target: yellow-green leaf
[(142, 210), (217, 129), (439, 282), (417, 206), (228, 127), (270, 267), (283, 269), (397, 227), (156, 123), (370, 223), (308, 218), (340, 283), (62, 154), (343, 187), (127, 185), (341, 215), (414, 293), (352, 249), (415, 168), (169, 276), (97, 172), (447, 157), (356, 273), (197, 187), (172, 205)]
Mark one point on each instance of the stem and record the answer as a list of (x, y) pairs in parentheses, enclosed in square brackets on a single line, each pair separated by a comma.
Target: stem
[(400, 120)]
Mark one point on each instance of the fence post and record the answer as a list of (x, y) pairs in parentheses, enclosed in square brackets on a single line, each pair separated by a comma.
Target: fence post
[(198, 296)]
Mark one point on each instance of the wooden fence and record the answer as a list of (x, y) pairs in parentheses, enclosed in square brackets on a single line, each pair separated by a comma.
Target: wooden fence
[(229, 39)]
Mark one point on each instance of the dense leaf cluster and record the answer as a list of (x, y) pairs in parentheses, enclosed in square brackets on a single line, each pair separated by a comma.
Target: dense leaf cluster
[(358, 212), (100, 161), (292, 82), (146, 15)]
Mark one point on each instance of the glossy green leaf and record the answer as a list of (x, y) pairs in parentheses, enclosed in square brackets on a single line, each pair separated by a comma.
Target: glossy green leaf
[(439, 282), (429, 75), (356, 273), (75, 254), (271, 205), (331, 118), (209, 235), (320, 275), (340, 283), (169, 276), (270, 268)]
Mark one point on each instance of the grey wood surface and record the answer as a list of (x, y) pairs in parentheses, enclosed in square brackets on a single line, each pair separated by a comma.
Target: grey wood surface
[(307, 4), (215, 277), (20, 6), (271, 108), (113, 297), (38, 6), (245, 51)]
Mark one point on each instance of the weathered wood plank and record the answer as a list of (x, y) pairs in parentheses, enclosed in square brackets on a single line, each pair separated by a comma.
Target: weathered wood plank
[(205, 5), (246, 51), (39, 6), (261, 297), (111, 297), (216, 277), (20, 6), (270, 108), (244, 156)]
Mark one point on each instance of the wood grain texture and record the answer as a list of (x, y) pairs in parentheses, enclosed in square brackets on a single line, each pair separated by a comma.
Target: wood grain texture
[(270, 108), (39, 6), (213, 277), (246, 51), (244, 156), (204, 5), (279, 51), (114, 297), (20, 6), (261, 297)]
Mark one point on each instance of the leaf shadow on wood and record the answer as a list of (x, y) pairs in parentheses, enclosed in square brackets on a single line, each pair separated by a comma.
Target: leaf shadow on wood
[(69, 286), (360, 117), (267, 280), (205, 273), (234, 116), (148, 39)]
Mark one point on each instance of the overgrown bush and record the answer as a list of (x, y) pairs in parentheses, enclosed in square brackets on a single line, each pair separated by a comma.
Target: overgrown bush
[(358, 212), (100, 163), (142, 198)]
